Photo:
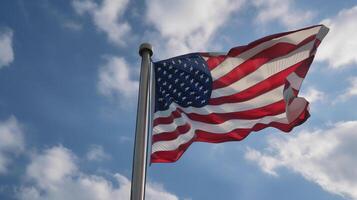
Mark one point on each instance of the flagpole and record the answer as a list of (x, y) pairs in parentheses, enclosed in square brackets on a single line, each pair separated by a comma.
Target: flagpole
[(143, 124)]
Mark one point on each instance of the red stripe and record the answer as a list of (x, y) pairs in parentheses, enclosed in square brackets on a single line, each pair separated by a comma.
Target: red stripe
[(170, 156), (218, 118), (214, 61), (262, 87), (267, 38), (238, 134), (167, 120), (303, 69), (257, 61), (171, 135)]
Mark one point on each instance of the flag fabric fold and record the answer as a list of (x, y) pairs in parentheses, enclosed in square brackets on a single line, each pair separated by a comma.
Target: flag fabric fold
[(212, 97)]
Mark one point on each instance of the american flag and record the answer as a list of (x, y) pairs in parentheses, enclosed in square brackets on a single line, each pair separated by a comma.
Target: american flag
[(211, 97)]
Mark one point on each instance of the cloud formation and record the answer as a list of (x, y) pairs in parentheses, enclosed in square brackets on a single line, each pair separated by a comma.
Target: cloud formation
[(190, 24), (324, 156), (351, 91), (107, 17), (11, 142), (6, 49), (97, 153), (339, 46), (286, 13), (313, 95), (115, 79), (54, 174)]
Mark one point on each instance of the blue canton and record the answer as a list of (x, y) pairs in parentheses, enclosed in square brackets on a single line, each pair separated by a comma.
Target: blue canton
[(185, 80)]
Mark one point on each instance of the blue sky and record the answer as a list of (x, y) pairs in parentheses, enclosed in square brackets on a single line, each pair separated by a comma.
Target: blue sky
[(68, 91)]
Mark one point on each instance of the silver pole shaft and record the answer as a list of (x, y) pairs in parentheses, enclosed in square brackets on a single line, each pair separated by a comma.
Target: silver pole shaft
[(143, 125)]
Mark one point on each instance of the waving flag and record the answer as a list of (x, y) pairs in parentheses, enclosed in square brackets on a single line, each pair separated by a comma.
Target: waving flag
[(209, 97)]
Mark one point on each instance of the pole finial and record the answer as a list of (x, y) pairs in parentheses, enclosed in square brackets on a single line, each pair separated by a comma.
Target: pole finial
[(145, 47)]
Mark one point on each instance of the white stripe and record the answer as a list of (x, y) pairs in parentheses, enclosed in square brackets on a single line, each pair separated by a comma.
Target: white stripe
[(205, 58), (230, 63), (267, 98), (161, 128), (214, 128), (265, 71), (295, 80), (167, 112), (172, 144)]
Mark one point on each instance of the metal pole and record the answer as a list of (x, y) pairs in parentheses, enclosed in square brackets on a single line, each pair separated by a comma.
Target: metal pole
[(143, 125)]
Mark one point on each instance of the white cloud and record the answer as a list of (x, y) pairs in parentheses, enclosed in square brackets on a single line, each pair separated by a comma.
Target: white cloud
[(54, 175), (284, 12), (339, 46), (6, 50), (51, 167), (107, 17), (313, 95), (350, 91), (324, 156), (97, 153), (11, 142), (188, 25), (115, 79)]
